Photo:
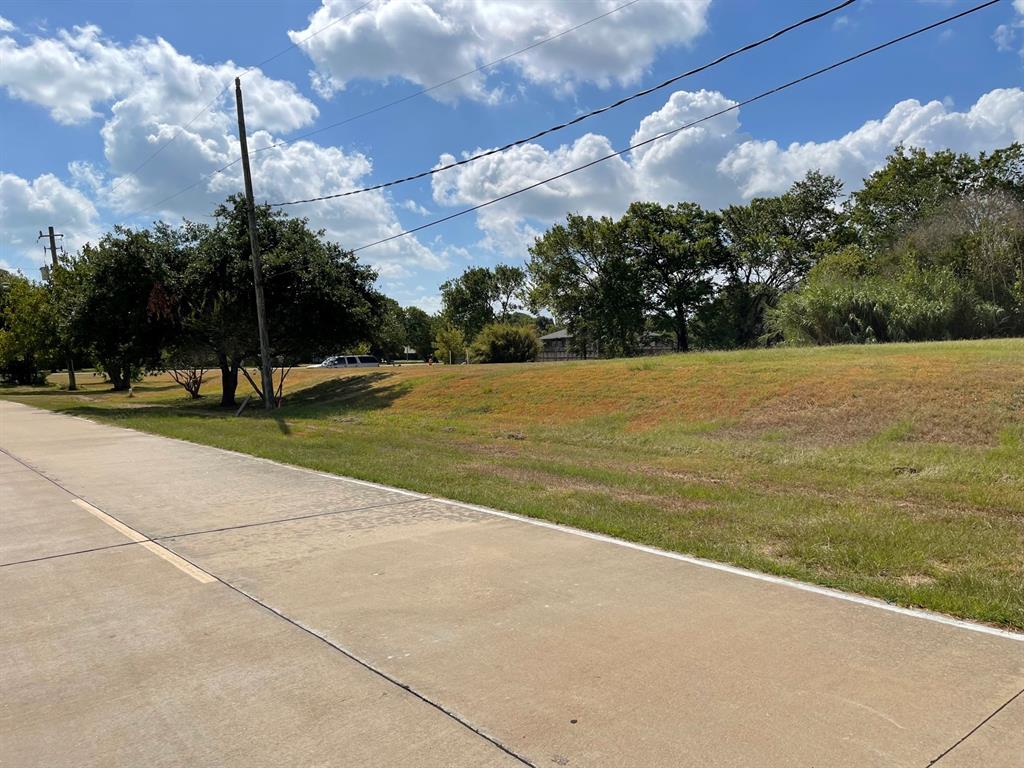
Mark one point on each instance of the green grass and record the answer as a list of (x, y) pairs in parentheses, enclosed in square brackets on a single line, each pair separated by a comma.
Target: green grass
[(894, 471)]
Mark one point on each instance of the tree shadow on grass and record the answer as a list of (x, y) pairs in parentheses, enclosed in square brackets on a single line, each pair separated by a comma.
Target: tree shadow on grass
[(350, 393), (328, 398), (21, 390), (89, 389), (111, 413)]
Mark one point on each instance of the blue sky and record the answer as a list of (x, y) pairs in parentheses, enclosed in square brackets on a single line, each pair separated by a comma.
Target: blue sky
[(89, 90)]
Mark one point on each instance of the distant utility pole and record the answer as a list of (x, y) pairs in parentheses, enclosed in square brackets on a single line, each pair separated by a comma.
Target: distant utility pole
[(72, 384), (257, 269)]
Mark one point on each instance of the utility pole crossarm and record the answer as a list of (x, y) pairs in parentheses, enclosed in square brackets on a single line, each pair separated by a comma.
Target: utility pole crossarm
[(257, 268), (52, 236)]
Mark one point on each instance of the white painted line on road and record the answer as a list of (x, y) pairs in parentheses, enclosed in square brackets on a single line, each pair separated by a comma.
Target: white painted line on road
[(182, 565)]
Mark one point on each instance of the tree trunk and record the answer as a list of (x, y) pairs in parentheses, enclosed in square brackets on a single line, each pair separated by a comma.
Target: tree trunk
[(72, 384), (126, 375), (118, 378), (228, 381), (682, 332)]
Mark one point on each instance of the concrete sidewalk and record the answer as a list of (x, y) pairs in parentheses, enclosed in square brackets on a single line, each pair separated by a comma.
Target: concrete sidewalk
[(331, 622)]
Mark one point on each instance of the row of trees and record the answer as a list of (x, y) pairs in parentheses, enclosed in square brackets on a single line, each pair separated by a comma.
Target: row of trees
[(931, 247), (181, 299)]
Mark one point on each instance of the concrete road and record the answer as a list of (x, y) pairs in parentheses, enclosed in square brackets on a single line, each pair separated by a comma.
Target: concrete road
[(169, 604)]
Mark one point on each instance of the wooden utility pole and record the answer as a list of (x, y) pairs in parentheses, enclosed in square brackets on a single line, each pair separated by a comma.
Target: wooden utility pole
[(72, 384), (257, 269)]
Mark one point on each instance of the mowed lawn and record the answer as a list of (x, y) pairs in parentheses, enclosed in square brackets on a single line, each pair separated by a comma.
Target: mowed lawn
[(895, 471)]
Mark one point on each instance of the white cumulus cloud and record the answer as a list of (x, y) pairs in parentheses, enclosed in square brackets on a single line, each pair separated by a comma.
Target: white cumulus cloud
[(30, 206), (151, 99), (1007, 35), (430, 41), (598, 190), (77, 72), (714, 163), (995, 120)]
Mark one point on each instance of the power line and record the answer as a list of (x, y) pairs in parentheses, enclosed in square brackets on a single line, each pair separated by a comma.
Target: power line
[(666, 134), (191, 186), (181, 129), (580, 118), (450, 80), (177, 133), (390, 104), (312, 35)]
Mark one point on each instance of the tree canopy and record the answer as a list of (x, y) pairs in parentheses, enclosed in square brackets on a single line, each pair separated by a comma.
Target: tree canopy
[(931, 246), (319, 298), (583, 272), (467, 300), (27, 329), (679, 250), (126, 306)]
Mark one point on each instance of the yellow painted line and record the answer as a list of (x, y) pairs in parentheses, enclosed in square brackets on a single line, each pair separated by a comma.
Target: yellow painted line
[(182, 565)]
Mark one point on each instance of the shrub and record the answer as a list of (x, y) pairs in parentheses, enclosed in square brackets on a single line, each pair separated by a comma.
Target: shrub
[(914, 305), (449, 344), (505, 343)]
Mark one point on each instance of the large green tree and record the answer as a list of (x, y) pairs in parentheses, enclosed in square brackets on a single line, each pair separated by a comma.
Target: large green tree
[(509, 286), (957, 213), (679, 248), (388, 335), (913, 186), (28, 333), (319, 298), (940, 255), (584, 273), (773, 242), (467, 301), (125, 309), (419, 331)]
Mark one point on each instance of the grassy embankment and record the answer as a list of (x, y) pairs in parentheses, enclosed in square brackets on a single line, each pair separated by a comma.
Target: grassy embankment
[(895, 471)]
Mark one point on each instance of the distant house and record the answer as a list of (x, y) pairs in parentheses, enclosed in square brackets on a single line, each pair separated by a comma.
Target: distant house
[(556, 346)]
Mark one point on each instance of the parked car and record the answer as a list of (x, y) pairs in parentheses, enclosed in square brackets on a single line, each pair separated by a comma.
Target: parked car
[(350, 361)]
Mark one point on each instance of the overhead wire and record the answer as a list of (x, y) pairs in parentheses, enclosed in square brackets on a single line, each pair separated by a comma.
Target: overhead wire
[(311, 35), (450, 80), (666, 134), (580, 118), (390, 104), (182, 128)]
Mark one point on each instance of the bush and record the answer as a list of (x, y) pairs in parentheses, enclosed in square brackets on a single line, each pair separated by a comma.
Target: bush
[(449, 344), (505, 343), (837, 307)]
